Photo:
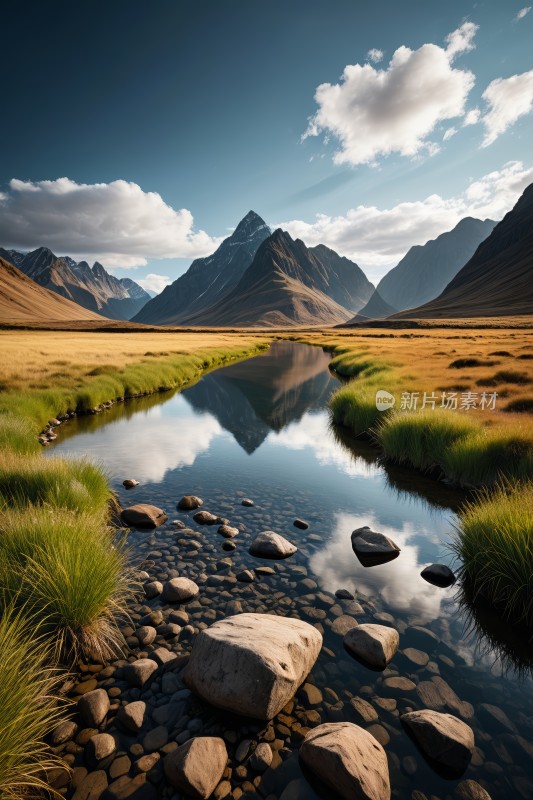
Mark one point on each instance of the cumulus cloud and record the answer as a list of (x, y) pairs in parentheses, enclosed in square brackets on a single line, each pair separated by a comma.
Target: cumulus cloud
[(117, 223), (448, 133), (472, 117), (375, 112), (375, 55), (154, 283), (522, 13), (377, 238), (508, 99)]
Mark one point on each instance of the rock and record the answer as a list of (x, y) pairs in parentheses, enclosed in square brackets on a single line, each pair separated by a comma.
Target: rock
[(163, 656), (247, 502), (155, 739), (228, 546), (130, 483), (246, 576), (197, 766), (372, 548), (271, 545), (493, 714), (261, 758), (177, 523), (93, 707), (101, 746), (438, 575), (146, 635), (228, 532), (179, 590), (131, 716), (298, 789), (63, 732), (311, 694), (374, 645), (443, 738), (301, 523), (397, 685), (436, 694), (415, 656), (206, 518), (189, 502), (140, 671), (92, 786), (153, 589), (363, 711), (252, 664), (343, 624), (143, 516), (348, 760), (242, 750), (470, 790), (344, 594)]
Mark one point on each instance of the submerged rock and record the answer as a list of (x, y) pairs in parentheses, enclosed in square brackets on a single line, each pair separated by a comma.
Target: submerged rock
[(197, 767), (301, 523), (374, 645), (247, 502), (348, 760), (179, 590), (438, 575), (271, 545), (443, 738), (372, 548), (228, 532), (190, 502), (252, 664), (206, 518), (143, 516)]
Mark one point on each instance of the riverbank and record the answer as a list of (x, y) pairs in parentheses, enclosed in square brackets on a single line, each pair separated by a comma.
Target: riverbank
[(64, 573)]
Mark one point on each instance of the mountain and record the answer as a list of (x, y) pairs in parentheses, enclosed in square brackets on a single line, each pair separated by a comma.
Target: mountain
[(23, 301), (498, 279), (347, 283), (285, 285), (208, 279), (426, 270), (93, 288), (376, 308)]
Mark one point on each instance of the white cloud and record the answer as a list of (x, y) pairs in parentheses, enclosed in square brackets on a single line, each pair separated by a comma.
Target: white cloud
[(116, 223), (154, 283), (472, 117), (508, 99), (448, 133), (374, 112), (377, 238), (522, 13), (375, 55)]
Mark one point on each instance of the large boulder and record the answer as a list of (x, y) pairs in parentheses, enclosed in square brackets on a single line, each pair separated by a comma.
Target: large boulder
[(143, 516), (197, 767), (372, 548), (443, 738), (374, 645), (252, 664), (348, 760), (271, 545)]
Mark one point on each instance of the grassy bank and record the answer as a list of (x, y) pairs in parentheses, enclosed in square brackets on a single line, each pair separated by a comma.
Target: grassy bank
[(473, 446), (65, 578)]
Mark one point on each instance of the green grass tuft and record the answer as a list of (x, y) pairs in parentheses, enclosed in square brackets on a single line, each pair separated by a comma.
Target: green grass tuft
[(494, 542), (28, 709)]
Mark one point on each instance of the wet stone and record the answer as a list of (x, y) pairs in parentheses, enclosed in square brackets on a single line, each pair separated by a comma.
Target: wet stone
[(417, 657), (300, 523), (189, 502), (362, 710), (247, 502), (343, 624)]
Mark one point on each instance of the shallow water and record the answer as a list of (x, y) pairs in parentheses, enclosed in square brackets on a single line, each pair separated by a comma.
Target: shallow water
[(260, 429)]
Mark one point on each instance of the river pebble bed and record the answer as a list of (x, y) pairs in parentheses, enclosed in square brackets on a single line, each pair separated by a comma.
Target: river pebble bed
[(259, 431)]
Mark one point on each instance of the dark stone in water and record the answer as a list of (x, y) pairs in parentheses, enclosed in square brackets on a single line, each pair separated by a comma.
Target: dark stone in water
[(438, 575), (300, 523), (247, 502), (373, 548)]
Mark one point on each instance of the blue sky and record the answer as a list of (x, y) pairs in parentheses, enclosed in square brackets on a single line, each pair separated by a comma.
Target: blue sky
[(140, 134)]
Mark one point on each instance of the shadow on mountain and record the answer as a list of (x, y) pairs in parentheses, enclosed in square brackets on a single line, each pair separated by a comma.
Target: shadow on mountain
[(265, 393)]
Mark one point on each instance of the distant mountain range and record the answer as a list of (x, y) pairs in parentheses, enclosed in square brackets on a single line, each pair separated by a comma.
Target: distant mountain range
[(260, 278), (24, 301), (92, 288), (498, 279)]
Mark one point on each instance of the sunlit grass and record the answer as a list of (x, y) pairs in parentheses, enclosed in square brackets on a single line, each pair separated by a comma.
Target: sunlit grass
[(28, 708), (68, 573), (494, 542)]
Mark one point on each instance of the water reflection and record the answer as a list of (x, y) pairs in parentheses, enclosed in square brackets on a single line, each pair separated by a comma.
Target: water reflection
[(266, 393)]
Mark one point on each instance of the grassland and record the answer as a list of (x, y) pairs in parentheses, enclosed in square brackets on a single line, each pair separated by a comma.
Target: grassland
[(474, 445)]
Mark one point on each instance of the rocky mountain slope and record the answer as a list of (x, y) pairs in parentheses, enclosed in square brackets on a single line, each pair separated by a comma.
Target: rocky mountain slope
[(24, 301), (91, 287), (498, 279), (426, 270)]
